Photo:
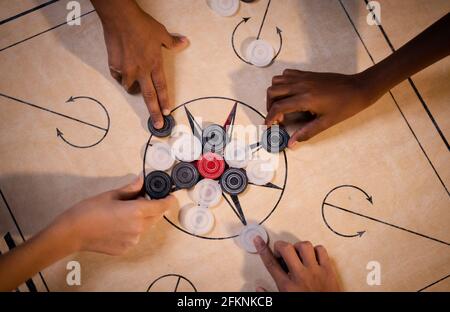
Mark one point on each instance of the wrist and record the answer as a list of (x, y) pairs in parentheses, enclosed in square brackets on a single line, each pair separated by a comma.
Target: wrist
[(116, 13), (372, 84), (64, 229)]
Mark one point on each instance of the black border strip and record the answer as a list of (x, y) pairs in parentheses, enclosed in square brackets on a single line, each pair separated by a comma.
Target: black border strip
[(395, 101), (20, 232), (42, 32), (10, 19), (413, 86)]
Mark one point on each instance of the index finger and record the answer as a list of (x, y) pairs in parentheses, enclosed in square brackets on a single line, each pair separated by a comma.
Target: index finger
[(157, 207), (283, 106), (151, 100), (160, 84), (270, 262)]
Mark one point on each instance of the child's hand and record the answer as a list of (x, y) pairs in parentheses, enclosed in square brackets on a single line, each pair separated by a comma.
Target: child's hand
[(134, 40), (329, 97), (310, 268), (114, 221)]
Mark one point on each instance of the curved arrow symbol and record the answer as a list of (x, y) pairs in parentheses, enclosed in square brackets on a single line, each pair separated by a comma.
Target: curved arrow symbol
[(245, 20), (59, 133), (325, 203)]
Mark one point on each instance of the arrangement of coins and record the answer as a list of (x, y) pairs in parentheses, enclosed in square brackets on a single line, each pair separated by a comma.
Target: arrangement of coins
[(208, 166)]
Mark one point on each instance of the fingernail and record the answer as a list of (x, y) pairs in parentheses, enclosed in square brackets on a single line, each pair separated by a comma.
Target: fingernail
[(260, 289), (158, 124), (259, 243), (166, 112)]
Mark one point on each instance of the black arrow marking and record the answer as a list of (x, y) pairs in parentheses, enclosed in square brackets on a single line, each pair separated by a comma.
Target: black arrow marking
[(59, 133), (50, 111), (388, 224), (268, 185), (71, 99), (232, 207), (279, 31), (237, 204), (244, 20), (324, 203), (195, 127), (237, 209), (229, 123)]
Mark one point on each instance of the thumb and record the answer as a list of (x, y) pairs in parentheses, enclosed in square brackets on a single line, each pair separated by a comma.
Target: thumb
[(130, 191), (308, 131), (175, 42), (157, 207)]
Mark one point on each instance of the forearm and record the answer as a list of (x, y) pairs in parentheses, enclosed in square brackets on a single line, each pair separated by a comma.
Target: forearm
[(427, 48), (26, 260)]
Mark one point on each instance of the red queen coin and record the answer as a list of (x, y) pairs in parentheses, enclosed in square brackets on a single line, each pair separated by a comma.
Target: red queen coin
[(211, 166)]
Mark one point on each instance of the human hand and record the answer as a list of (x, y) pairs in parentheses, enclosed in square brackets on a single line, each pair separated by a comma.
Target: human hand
[(310, 268), (330, 98), (114, 221), (134, 40)]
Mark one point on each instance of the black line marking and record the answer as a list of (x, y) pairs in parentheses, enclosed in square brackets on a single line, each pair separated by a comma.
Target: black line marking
[(389, 224), (418, 142), (11, 245), (263, 20), (178, 283), (9, 19), (172, 275), (20, 232), (43, 32), (416, 91), (395, 101), (434, 283), (427, 110), (284, 155)]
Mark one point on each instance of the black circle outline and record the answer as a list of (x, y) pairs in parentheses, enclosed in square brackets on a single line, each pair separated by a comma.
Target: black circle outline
[(171, 275), (262, 116)]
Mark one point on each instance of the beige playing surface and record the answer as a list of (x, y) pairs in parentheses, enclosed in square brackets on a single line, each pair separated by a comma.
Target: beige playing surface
[(382, 151)]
